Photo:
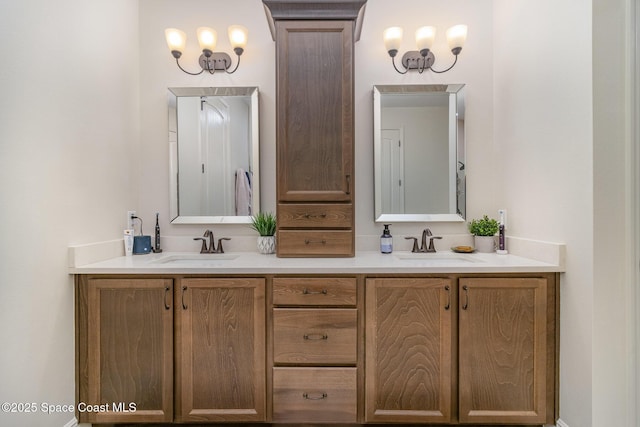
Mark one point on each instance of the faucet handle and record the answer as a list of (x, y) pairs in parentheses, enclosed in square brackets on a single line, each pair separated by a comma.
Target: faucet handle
[(203, 249), (415, 244), (432, 247), (220, 249)]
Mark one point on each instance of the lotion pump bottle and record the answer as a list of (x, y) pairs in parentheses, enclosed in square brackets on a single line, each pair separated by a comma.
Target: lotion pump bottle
[(502, 240), (386, 241)]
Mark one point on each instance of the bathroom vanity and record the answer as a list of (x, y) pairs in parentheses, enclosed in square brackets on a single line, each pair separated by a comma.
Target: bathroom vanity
[(403, 338)]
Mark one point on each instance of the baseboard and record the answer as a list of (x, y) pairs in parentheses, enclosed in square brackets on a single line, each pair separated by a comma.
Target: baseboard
[(72, 423)]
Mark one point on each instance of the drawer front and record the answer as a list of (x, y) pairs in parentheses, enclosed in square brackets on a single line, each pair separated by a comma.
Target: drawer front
[(299, 243), (315, 395), (314, 336), (326, 291), (315, 215)]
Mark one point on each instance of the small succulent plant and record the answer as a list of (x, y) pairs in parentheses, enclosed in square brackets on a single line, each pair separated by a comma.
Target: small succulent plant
[(264, 223), (483, 227)]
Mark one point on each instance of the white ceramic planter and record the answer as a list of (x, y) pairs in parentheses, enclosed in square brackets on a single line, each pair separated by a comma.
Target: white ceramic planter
[(486, 244), (266, 244)]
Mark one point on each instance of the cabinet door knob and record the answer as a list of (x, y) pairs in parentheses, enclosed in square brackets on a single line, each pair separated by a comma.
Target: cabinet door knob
[(318, 396), (465, 305), (448, 305), (315, 337), (184, 305), (306, 291), (167, 306)]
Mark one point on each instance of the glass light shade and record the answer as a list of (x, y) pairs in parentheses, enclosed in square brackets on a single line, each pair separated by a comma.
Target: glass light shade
[(456, 36), (425, 37), (238, 36), (176, 39), (392, 38), (207, 38)]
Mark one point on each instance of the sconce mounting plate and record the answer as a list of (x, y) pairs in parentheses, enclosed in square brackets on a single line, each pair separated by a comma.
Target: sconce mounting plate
[(413, 60), (217, 61)]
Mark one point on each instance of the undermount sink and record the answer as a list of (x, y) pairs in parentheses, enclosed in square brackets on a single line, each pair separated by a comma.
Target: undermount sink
[(196, 260), (446, 258)]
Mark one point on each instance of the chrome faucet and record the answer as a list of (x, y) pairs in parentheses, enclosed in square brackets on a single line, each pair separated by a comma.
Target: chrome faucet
[(424, 248), (211, 249)]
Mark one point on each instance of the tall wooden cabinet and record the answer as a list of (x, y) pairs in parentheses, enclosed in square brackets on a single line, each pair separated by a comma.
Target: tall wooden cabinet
[(315, 126)]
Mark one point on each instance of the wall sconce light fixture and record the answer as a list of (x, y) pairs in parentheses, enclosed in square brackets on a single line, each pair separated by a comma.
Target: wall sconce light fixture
[(423, 59), (207, 37)]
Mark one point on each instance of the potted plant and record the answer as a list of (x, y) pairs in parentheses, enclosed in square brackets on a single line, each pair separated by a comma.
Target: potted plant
[(265, 224), (484, 230)]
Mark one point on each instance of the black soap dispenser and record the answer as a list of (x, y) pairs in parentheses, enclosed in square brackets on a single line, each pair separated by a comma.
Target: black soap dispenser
[(386, 241)]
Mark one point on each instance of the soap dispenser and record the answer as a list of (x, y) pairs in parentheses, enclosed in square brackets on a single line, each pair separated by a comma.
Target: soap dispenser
[(386, 241)]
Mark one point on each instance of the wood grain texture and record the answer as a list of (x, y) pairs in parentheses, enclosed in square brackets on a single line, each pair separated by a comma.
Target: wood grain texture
[(315, 336), (310, 291), (331, 395), (222, 350), (318, 243), (503, 350), (315, 215), (314, 111), (129, 349), (408, 350)]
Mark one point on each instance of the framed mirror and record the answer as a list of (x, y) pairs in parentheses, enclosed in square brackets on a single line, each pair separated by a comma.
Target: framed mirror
[(214, 154), (419, 153)]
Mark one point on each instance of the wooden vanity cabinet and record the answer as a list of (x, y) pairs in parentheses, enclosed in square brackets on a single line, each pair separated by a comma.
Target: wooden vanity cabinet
[(220, 350), (124, 343), (409, 351), (469, 350), (314, 141), (315, 350), (126, 332)]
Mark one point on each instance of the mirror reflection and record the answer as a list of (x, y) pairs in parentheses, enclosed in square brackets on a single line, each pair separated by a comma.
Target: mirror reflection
[(419, 159), (214, 154)]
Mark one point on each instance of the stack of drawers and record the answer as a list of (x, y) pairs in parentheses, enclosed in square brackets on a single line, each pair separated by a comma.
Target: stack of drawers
[(315, 350)]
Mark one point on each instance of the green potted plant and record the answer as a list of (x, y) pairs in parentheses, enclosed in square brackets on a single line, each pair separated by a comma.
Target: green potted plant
[(484, 230), (265, 224)]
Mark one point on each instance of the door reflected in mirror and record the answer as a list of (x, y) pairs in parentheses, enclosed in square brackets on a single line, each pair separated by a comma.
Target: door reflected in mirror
[(214, 154), (419, 162)]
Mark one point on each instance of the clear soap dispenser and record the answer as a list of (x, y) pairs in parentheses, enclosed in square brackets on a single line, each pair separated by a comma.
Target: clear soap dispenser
[(386, 241)]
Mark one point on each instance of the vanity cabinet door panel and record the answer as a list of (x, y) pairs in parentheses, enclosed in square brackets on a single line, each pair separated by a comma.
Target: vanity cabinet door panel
[(314, 110), (220, 344), (408, 350), (125, 348), (503, 350)]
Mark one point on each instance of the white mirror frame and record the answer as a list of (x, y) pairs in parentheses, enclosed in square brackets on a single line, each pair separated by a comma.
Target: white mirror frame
[(380, 217), (173, 93)]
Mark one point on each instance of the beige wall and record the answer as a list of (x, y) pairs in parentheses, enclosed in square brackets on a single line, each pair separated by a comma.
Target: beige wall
[(68, 141)]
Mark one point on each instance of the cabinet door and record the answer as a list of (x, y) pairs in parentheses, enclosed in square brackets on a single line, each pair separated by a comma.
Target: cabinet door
[(408, 350), (221, 350), (503, 354), (125, 346), (314, 110)]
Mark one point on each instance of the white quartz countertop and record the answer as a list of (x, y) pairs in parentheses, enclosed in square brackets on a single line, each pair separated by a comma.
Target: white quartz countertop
[(364, 262)]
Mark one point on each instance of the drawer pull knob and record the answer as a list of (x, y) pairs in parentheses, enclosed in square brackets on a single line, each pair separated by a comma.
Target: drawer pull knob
[(306, 291), (315, 337), (308, 215), (316, 397), (309, 242)]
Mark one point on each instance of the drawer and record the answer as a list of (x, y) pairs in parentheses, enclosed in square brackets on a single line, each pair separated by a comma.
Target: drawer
[(314, 395), (301, 243), (326, 291), (321, 336), (315, 215)]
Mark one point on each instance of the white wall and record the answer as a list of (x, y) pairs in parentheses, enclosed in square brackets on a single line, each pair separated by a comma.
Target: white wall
[(373, 66), (68, 140)]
